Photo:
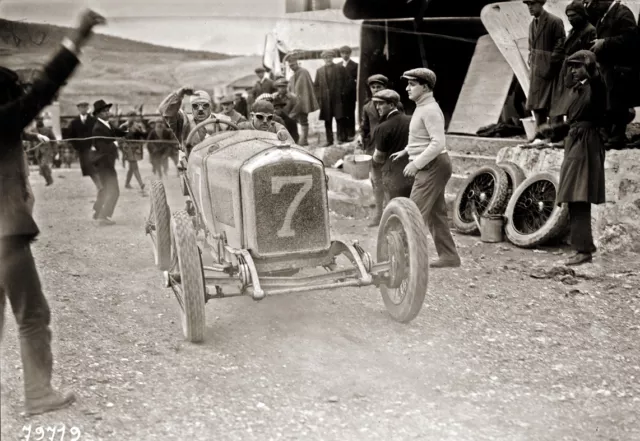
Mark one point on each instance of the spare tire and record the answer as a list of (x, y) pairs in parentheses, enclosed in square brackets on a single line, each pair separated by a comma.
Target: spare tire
[(487, 190), (515, 175), (533, 217)]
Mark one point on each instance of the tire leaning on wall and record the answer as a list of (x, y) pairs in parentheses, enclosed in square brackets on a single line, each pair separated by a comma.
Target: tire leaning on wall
[(535, 196), (492, 183), (515, 175)]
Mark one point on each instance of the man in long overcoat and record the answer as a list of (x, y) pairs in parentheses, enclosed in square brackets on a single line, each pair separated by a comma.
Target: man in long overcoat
[(617, 52), (546, 42), (301, 85), (330, 85), (81, 127), (350, 93)]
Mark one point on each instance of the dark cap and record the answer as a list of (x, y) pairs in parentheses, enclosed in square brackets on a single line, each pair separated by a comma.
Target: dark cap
[(387, 95), (377, 78), (262, 106), (421, 74), (327, 54), (345, 49), (260, 69)]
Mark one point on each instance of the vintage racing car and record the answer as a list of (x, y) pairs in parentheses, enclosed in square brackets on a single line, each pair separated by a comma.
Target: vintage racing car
[(257, 217)]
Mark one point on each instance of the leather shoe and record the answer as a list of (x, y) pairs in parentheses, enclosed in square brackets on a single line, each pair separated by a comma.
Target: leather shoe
[(445, 263), (103, 222), (54, 400), (579, 259)]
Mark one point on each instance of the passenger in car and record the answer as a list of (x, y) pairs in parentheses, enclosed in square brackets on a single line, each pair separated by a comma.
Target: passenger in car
[(262, 118)]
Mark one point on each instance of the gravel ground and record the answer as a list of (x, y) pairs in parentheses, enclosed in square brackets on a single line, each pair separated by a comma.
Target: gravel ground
[(495, 354)]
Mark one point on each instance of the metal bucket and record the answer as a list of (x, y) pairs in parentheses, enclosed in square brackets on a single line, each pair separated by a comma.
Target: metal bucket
[(491, 228), (362, 166)]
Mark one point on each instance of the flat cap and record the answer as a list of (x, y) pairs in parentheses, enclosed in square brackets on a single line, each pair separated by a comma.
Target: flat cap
[(82, 103), (345, 49), (260, 69), (327, 54), (421, 74), (377, 78), (387, 95), (262, 107), (200, 96), (228, 99), (282, 81), (582, 57)]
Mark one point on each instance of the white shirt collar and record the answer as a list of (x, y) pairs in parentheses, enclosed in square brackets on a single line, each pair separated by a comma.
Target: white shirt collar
[(106, 123), (392, 112), (83, 118)]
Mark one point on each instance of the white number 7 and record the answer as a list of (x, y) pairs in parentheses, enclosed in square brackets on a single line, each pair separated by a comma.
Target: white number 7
[(277, 182)]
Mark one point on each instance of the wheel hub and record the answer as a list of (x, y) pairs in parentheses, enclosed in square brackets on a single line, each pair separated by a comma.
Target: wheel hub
[(397, 257)]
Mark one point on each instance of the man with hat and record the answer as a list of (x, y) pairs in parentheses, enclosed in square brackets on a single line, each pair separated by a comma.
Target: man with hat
[(351, 92), (19, 280), (301, 85), (81, 127), (104, 156), (389, 137), (546, 54), (240, 104), (285, 104), (262, 118), (228, 110), (132, 152), (429, 163), (331, 88), (264, 83)]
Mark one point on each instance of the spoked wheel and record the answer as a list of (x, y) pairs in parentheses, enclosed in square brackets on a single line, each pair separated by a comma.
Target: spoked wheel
[(484, 192), (533, 217), (159, 226), (189, 285), (403, 242)]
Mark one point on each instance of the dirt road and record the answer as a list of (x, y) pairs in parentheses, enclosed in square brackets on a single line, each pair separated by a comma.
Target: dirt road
[(494, 355)]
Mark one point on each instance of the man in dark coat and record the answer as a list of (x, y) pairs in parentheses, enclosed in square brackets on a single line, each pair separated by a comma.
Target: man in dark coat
[(263, 85), (301, 85), (82, 127), (546, 41), (19, 280), (350, 92), (580, 37), (582, 178), (330, 85), (104, 159), (132, 152), (389, 137), (240, 105), (286, 104), (617, 52)]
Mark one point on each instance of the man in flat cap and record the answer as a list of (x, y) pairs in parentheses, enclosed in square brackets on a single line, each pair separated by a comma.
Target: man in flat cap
[(262, 118), (368, 123), (19, 279), (429, 163), (331, 88), (389, 137), (351, 92), (285, 104), (229, 111), (80, 127), (263, 85), (546, 55), (301, 85)]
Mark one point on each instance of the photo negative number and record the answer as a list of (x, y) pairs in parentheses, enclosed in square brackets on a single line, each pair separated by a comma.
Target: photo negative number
[(277, 183)]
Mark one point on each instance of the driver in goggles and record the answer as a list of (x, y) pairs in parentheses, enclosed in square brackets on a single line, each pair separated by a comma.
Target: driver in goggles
[(262, 118)]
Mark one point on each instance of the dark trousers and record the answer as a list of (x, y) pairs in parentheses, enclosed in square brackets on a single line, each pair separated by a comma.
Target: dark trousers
[(428, 195), (580, 220), (96, 179), (342, 132), (541, 116), (350, 125), (108, 193), (19, 281)]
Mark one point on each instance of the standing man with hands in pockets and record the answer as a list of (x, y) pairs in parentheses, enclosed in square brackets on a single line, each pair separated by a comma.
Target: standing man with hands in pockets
[(429, 163)]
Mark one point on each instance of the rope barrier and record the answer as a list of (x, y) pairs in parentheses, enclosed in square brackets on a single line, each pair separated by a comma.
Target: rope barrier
[(140, 141)]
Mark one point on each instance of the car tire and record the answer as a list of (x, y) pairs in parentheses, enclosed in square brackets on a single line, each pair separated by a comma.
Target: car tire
[(191, 277), (402, 218), (488, 188), (539, 190), (515, 176), (160, 216)]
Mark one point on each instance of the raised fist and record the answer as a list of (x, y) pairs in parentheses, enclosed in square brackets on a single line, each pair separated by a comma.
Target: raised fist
[(88, 20)]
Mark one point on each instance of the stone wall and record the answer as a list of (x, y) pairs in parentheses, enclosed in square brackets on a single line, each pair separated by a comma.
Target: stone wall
[(616, 224)]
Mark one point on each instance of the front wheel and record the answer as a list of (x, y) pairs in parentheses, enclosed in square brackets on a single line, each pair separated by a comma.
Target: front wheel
[(402, 241), (159, 218), (191, 286)]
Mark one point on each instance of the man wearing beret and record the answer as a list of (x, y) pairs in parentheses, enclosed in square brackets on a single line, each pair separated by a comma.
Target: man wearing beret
[(546, 55), (389, 137), (263, 85), (228, 110), (368, 123), (301, 85), (429, 163), (19, 280), (331, 88), (351, 91), (262, 118), (79, 128)]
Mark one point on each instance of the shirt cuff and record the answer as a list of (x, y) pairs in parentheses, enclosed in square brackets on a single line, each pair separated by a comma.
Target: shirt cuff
[(70, 46)]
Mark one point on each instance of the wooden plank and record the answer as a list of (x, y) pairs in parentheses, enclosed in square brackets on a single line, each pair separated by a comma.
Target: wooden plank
[(484, 90)]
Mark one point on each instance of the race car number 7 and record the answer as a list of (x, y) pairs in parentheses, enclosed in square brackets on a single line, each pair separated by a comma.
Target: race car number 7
[(277, 182)]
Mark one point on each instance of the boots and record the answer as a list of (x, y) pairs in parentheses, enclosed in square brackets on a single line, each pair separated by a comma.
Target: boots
[(37, 362), (304, 134)]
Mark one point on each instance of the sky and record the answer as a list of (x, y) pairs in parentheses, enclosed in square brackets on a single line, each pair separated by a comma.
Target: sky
[(228, 26)]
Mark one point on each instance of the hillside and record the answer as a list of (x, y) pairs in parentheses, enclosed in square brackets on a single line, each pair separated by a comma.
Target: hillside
[(118, 70)]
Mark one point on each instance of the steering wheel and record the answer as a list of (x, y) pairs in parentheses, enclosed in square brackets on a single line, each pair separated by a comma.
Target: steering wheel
[(207, 122)]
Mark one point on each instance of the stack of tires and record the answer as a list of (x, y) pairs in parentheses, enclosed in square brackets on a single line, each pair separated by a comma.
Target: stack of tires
[(528, 204)]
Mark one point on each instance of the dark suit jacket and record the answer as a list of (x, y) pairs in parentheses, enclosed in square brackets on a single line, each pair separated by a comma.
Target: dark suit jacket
[(78, 129), (106, 154), (352, 87), (266, 86), (15, 218), (331, 82)]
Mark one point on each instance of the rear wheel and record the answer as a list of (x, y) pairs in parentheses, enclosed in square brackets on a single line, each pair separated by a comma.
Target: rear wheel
[(191, 289), (403, 242), (533, 217), (160, 220)]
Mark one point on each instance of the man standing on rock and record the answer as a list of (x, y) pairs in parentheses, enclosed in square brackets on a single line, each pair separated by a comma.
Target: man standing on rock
[(429, 163), (19, 280), (546, 54), (331, 82), (301, 85)]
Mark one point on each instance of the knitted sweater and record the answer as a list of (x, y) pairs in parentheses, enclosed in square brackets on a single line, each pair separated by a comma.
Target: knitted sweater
[(426, 132)]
